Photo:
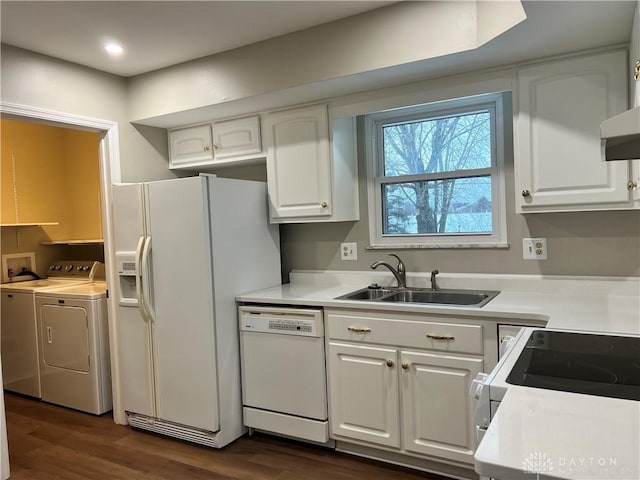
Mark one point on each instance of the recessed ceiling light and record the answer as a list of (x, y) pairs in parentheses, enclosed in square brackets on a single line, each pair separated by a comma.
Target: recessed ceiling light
[(113, 49)]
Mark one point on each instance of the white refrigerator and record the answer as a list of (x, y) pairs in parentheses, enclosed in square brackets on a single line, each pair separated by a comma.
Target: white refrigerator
[(184, 249)]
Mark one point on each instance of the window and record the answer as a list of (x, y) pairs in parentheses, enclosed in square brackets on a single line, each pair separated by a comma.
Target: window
[(435, 176)]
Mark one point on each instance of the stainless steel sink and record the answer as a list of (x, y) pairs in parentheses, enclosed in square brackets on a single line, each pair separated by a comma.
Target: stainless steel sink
[(368, 294), (474, 298), (447, 297)]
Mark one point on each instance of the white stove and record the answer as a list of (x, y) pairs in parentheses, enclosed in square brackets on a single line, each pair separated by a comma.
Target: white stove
[(564, 397)]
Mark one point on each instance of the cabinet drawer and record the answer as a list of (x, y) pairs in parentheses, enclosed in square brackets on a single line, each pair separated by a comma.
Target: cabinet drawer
[(439, 336)]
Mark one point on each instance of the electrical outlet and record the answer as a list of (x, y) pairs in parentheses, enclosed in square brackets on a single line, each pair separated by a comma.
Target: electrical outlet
[(534, 248), (349, 251)]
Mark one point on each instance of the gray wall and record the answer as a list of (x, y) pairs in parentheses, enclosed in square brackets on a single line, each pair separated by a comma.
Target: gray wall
[(584, 243), (413, 31), (589, 243), (40, 81)]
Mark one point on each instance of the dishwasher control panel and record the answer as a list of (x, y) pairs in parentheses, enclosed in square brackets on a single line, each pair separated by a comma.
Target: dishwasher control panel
[(287, 321)]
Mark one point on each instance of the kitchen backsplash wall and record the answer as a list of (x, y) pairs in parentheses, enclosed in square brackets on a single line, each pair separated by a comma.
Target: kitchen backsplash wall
[(585, 243)]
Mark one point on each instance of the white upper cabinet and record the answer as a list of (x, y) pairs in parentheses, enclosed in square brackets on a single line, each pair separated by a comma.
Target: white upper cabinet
[(237, 138), (560, 105), (311, 166), (220, 143), (190, 146)]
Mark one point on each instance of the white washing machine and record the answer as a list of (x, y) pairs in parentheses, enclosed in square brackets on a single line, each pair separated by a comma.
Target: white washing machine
[(18, 328), (74, 347)]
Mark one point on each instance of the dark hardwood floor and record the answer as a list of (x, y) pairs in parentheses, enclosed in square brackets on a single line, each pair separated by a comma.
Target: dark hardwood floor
[(47, 442)]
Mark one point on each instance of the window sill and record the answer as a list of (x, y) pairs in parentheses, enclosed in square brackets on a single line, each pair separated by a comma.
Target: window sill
[(439, 246)]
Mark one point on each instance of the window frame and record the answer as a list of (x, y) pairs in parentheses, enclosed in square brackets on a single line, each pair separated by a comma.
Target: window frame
[(375, 174)]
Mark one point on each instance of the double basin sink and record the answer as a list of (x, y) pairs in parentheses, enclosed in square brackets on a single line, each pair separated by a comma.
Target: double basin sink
[(469, 298)]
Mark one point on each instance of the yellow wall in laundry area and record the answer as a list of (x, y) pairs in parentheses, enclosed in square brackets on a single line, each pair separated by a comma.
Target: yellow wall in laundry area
[(50, 174)]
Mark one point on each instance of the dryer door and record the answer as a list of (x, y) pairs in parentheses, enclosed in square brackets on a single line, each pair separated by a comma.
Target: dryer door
[(65, 337)]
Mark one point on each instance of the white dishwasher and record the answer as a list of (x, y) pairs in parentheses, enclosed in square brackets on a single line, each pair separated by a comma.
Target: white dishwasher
[(284, 388)]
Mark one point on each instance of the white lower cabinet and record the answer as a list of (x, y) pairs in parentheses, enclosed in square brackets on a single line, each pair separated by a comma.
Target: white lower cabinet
[(364, 395), (437, 409), (408, 395)]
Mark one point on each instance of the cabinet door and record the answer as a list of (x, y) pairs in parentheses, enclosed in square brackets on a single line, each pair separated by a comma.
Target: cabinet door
[(560, 107), (437, 409), (363, 384), (298, 163), (238, 137), (18, 335), (189, 146)]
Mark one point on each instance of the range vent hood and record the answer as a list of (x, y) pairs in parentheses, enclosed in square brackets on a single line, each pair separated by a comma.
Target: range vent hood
[(621, 136)]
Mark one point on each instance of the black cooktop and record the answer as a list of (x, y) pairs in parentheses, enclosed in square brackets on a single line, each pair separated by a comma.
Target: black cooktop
[(603, 365)]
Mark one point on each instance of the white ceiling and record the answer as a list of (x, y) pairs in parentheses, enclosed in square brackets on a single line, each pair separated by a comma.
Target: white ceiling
[(157, 34), (161, 33)]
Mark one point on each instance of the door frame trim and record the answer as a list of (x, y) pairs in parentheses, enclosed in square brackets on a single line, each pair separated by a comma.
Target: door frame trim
[(109, 156)]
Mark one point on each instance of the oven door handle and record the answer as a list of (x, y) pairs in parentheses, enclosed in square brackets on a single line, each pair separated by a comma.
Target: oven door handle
[(506, 343)]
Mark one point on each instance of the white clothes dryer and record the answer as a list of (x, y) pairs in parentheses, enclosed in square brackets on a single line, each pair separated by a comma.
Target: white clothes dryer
[(74, 347)]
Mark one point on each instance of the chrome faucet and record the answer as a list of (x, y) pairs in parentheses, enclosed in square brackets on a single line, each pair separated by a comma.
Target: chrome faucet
[(434, 283), (400, 272)]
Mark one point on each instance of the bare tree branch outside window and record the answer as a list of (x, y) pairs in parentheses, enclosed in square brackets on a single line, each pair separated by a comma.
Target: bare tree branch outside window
[(448, 201)]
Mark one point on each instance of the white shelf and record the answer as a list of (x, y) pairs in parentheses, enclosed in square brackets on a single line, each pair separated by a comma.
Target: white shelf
[(96, 241), (225, 163), (36, 224)]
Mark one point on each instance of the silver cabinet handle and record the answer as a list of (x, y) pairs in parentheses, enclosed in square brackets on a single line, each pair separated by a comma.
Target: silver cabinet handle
[(526, 193), (359, 329), (440, 337), (390, 363), (405, 365)]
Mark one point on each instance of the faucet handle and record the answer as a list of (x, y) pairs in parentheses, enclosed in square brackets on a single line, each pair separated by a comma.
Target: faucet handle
[(434, 283), (401, 267)]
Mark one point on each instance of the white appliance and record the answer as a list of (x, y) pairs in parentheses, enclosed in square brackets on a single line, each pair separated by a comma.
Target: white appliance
[(601, 368), (74, 347), (18, 329), (621, 136), (490, 388), (284, 386), (4, 447), (185, 248)]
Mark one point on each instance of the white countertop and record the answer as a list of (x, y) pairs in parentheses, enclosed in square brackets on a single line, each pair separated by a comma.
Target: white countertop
[(552, 434), (561, 435), (571, 303)]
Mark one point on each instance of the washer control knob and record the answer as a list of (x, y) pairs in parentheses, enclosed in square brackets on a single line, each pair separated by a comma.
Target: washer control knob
[(68, 268), (52, 267)]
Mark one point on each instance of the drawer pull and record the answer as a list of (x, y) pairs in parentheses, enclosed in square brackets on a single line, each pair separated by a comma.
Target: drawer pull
[(440, 337), (405, 365), (390, 363), (359, 329)]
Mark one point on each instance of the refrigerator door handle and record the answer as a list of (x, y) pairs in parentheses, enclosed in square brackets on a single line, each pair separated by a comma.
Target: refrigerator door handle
[(140, 280), (146, 291)]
